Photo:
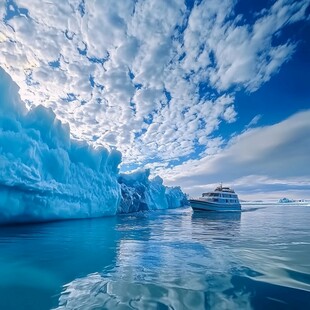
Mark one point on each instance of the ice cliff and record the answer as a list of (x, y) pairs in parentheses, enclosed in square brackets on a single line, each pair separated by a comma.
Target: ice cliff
[(139, 193), (45, 175)]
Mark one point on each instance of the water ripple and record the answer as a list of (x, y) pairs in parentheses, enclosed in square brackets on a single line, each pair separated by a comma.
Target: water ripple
[(173, 259)]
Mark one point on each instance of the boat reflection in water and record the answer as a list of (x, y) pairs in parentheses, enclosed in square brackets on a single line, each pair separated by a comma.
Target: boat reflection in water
[(216, 216), (215, 225)]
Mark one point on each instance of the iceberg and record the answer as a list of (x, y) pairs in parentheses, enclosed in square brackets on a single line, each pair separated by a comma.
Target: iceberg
[(45, 175), (285, 200), (139, 193)]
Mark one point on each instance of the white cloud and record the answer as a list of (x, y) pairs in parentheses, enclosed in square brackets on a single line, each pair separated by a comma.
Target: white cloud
[(245, 54), (130, 74), (254, 121), (271, 155)]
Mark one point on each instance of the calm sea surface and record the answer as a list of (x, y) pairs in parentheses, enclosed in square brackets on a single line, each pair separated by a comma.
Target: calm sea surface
[(259, 259)]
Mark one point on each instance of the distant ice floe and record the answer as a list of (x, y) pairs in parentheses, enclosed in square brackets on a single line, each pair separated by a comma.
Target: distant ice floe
[(45, 175), (287, 201)]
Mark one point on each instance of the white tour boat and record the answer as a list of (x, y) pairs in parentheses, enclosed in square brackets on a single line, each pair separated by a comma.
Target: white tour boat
[(221, 199)]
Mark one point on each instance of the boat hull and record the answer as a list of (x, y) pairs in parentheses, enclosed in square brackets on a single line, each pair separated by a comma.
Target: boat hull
[(198, 205)]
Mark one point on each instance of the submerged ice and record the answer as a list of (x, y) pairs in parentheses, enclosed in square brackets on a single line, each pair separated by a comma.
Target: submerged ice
[(45, 175)]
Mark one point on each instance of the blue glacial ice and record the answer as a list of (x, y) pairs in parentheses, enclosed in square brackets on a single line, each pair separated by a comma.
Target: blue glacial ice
[(45, 175), (139, 193)]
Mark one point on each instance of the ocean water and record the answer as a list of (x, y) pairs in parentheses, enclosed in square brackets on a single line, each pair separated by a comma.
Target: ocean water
[(174, 259)]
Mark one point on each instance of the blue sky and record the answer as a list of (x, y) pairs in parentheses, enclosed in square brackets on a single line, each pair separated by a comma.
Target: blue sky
[(201, 92)]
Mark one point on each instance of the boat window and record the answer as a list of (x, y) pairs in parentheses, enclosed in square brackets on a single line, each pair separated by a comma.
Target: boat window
[(215, 199)]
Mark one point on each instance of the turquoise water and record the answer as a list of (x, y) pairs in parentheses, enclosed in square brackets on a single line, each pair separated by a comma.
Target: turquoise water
[(259, 259)]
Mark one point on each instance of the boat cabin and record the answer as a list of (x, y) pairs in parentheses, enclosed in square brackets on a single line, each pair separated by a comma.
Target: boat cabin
[(222, 195)]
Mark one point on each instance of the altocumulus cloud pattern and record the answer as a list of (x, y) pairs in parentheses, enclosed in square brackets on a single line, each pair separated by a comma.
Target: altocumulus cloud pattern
[(153, 78)]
